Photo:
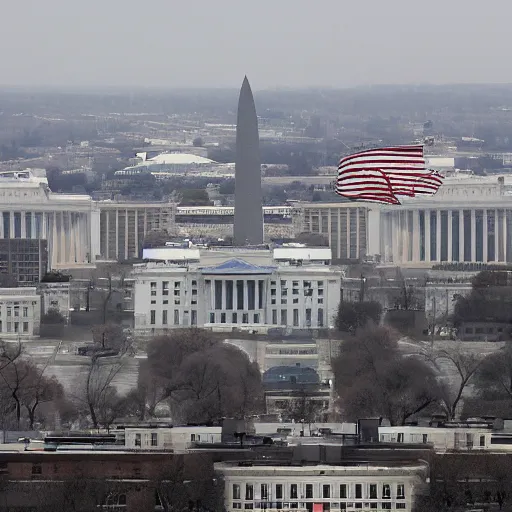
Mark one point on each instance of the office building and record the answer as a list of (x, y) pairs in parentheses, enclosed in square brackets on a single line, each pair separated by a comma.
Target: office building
[(344, 225), (316, 486), (25, 259), (124, 225), (20, 312)]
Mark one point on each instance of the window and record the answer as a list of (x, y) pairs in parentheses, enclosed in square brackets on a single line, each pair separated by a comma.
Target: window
[(25, 326), (295, 283), (165, 287), (249, 492), (25, 311), (284, 317), (152, 317), (386, 491), (177, 284), (482, 440), (425, 438), (400, 506), (212, 318), (326, 491), (176, 293), (400, 492), (153, 289), (154, 439), (343, 491), (248, 506), (236, 491), (9, 311), (373, 491), (295, 317), (320, 317), (385, 506), (237, 506), (309, 491), (164, 317), (256, 318), (274, 317), (293, 491), (400, 438), (234, 318), (245, 318), (279, 491), (223, 318), (359, 491), (194, 283), (138, 439), (36, 469), (264, 492), (165, 301)]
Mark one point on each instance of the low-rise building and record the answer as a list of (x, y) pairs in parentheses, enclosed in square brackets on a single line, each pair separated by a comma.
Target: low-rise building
[(20, 312), (312, 487), (55, 296)]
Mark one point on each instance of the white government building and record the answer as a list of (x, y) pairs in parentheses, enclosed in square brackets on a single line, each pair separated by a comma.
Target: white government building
[(316, 486), (226, 288), (468, 220)]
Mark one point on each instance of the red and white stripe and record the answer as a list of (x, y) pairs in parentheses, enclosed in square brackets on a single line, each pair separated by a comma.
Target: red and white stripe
[(380, 175)]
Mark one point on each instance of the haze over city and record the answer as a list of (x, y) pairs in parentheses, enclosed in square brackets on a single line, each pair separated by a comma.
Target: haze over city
[(285, 43)]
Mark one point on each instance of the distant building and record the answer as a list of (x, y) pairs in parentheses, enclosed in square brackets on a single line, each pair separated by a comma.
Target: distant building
[(317, 486), (234, 288), (24, 258), (344, 225), (124, 225), (55, 296), (20, 312)]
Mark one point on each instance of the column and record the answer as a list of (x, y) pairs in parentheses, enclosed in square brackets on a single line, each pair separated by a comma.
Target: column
[(11, 224), (504, 235), (145, 222), (496, 237), (427, 236), (33, 225), (136, 215), (438, 235), (126, 255), (44, 220), (223, 304), (23, 217), (461, 235), (117, 234), (473, 235), (416, 236), (485, 236), (450, 234), (1, 224), (62, 239), (246, 296), (358, 229), (212, 295), (395, 227), (107, 234), (405, 235), (55, 240), (256, 295), (348, 232)]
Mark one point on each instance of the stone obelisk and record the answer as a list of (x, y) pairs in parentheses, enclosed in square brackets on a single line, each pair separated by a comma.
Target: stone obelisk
[(248, 226)]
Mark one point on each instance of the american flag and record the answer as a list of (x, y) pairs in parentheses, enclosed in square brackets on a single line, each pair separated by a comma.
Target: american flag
[(380, 175)]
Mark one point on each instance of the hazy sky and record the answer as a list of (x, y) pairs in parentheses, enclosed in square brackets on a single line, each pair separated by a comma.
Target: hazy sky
[(291, 43)]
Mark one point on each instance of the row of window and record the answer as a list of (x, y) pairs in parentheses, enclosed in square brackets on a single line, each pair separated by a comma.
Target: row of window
[(326, 507), (15, 311), (176, 317), (15, 327), (325, 491), (308, 322)]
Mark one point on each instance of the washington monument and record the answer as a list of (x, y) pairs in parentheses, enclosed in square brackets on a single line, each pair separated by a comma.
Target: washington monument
[(248, 226)]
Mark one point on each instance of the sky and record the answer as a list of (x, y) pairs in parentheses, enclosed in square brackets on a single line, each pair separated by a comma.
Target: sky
[(277, 43)]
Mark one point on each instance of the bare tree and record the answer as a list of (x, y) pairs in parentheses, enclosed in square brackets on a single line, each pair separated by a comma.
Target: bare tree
[(465, 365), (96, 386), (38, 389)]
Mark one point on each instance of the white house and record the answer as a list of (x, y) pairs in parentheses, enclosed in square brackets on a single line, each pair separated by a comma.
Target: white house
[(237, 288)]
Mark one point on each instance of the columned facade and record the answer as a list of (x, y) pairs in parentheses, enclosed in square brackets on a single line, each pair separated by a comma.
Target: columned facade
[(446, 234), (124, 225)]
